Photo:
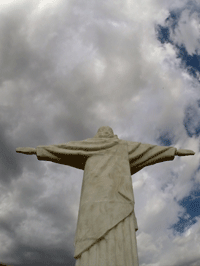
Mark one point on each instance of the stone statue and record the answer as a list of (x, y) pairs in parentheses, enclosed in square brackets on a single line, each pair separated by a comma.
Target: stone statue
[(106, 226)]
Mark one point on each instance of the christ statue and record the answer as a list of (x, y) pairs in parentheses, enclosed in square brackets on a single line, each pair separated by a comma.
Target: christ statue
[(106, 226)]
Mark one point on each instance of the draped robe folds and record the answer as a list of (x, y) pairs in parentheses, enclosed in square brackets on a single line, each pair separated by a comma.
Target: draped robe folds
[(107, 194)]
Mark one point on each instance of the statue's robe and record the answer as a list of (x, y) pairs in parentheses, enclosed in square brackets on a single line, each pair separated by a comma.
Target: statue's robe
[(106, 226)]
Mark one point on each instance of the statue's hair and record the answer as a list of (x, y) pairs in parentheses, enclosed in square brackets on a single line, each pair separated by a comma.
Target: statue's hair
[(101, 130)]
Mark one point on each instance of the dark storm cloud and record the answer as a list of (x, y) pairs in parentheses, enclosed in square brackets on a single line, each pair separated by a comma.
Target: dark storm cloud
[(16, 54)]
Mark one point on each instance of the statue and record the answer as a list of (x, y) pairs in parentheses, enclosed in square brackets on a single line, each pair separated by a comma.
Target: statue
[(106, 226)]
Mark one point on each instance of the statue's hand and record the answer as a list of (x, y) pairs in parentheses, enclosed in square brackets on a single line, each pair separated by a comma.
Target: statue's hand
[(26, 150), (182, 152)]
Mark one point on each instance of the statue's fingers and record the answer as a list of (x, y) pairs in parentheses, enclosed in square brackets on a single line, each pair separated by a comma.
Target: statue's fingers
[(24, 150), (19, 150), (184, 152), (190, 152)]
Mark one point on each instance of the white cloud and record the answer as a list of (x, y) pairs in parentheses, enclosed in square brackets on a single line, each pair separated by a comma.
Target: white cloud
[(187, 32), (4, 3)]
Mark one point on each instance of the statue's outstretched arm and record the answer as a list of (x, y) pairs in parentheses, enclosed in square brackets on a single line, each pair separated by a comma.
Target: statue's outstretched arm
[(182, 152), (26, 150)]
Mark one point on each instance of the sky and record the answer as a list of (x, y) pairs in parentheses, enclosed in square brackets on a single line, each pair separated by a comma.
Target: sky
[(70, 67)]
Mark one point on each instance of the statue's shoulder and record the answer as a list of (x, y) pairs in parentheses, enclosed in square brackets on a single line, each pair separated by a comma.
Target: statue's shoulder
[(121, 141), (127, 142)]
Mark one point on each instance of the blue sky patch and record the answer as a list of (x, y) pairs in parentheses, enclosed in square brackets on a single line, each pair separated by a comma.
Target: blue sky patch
[(190, 62), (192, 121), (192, 210), (165, 139)]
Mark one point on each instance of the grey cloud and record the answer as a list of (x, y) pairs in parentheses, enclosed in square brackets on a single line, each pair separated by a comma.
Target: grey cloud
[(10, 165)]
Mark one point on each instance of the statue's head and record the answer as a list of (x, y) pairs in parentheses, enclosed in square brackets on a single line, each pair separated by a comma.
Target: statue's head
[(104, 132)]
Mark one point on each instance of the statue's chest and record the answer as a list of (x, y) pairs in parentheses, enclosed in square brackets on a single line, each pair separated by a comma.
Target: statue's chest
[(104, 173)]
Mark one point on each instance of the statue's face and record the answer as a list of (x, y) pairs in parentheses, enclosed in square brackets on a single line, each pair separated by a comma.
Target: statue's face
[(105, 132)]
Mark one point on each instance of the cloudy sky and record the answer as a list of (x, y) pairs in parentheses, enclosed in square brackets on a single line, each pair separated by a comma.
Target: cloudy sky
[(68, 67)]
